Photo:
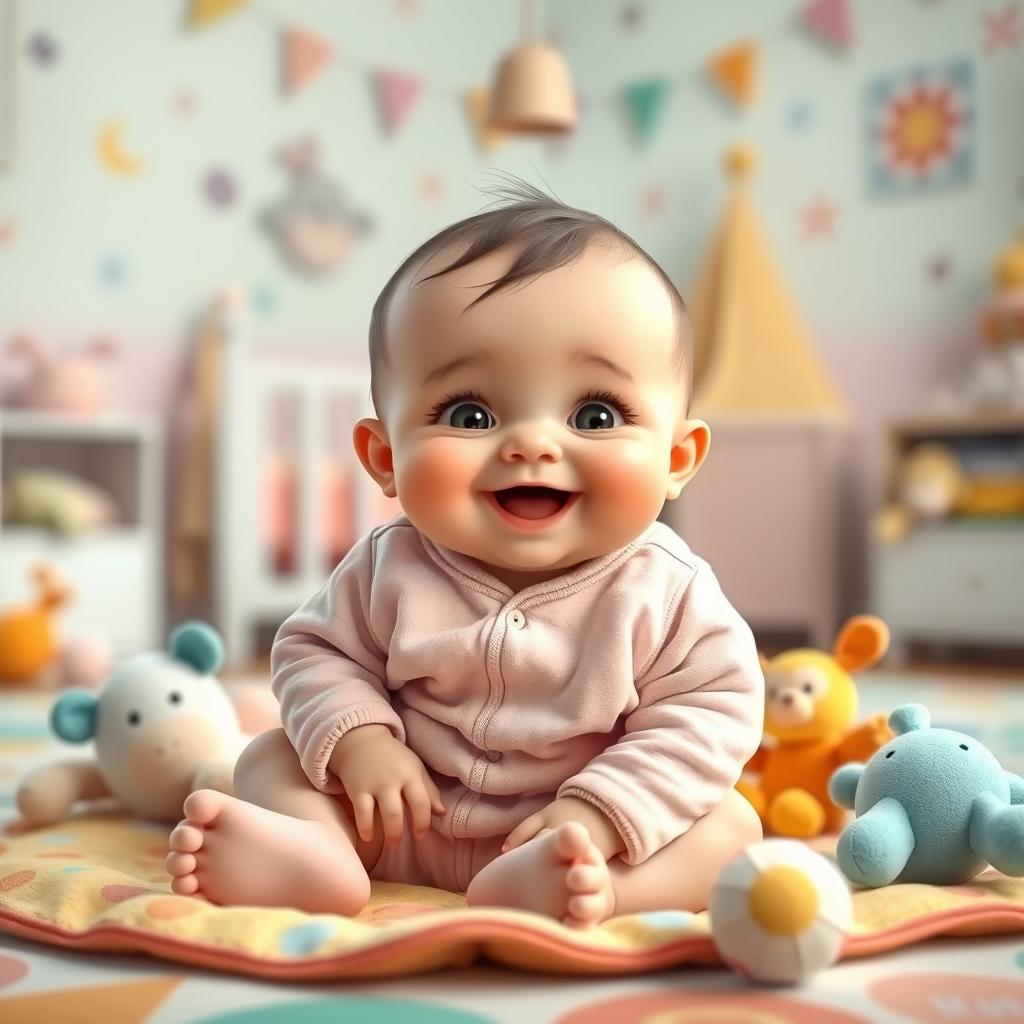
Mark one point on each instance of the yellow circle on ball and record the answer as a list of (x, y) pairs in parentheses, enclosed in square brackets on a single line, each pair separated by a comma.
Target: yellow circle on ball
[(783, 900)]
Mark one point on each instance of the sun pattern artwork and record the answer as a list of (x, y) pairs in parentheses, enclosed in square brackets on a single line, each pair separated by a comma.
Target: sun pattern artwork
[(920, 129)]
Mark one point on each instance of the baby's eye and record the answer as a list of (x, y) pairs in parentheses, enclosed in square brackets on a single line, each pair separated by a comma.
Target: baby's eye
[(466, 416), (596, 416)]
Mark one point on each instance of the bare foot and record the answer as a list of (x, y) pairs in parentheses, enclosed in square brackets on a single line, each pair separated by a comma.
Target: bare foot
[(559, 873), (236, 853)]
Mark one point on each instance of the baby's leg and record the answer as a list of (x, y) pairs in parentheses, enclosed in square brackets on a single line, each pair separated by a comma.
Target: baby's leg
[(279, 842), (562, 873)]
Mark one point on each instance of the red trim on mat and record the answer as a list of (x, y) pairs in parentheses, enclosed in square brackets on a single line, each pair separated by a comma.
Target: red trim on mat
[(568, 957)]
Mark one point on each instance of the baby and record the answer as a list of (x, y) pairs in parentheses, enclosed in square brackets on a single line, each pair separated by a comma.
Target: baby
[(524, 687)]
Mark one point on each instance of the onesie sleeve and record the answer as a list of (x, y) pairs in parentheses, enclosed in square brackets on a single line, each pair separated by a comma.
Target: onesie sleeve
[(698, 721), (328, 668)]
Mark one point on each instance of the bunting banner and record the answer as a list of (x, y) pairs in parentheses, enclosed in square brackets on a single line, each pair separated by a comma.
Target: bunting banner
[(397, 93), (478, 104), (645, 102), (734, 71), (205, 12), (304, 57), (830, 22)]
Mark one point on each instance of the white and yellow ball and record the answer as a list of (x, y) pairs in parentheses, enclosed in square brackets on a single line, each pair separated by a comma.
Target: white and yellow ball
[(779, 911)]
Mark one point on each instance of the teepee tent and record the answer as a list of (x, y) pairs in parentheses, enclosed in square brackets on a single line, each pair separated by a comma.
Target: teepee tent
[(752, 353)]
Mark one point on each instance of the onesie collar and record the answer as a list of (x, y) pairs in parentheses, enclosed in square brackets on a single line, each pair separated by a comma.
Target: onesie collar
[(475, 573)]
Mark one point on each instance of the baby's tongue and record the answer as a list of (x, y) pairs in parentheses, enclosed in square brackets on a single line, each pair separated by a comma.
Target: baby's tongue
[(531, 504)]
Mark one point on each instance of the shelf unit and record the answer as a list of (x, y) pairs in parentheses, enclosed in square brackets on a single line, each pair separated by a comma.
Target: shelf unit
[(116, 572), (957, 581)]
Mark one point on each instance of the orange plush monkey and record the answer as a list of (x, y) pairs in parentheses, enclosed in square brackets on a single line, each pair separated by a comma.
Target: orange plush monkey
[(810, 706)]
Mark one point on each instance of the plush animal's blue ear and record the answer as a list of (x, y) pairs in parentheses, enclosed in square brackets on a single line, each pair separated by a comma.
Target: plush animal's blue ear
[(908, 718), (73, 717), (199, 645)]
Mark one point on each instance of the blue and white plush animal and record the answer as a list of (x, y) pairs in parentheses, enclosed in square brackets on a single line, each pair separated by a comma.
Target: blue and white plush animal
[(932, 805), (163, 726)]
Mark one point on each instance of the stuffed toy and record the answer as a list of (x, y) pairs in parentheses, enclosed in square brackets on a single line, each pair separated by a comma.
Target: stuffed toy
[(933, 806), (75, 383), (163, 727), (28, 635), (57, 501), (930, 485), (810, 707)]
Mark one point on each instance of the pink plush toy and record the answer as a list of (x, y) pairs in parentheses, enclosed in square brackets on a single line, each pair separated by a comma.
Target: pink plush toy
[(75, 383)]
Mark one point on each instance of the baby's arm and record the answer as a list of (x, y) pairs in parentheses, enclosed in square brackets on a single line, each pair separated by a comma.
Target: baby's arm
[(328, 671), (698, 721)]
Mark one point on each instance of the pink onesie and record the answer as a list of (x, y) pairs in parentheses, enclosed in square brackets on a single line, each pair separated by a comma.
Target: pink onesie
[(629, 682)]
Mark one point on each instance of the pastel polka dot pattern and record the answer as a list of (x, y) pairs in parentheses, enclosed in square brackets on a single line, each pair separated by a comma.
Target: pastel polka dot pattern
[(12, 969), (168, 908), (668, 919), (58, 839), (303, 939), (120, 893), (15, 880), (59, 855), (352, 1011), (74, 869)]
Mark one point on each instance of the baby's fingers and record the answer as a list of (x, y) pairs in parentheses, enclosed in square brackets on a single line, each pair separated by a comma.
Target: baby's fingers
[(524, 830), (391, 815), (362, 808), (416, 797), (436, 806)]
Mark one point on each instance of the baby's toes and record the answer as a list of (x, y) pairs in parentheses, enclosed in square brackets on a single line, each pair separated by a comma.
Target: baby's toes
[(572, 842), (186, 885), (585, 909), (179, 864), (585, 878), (185, 838)]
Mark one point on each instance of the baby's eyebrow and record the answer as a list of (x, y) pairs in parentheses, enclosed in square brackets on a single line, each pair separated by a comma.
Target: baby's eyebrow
[(456, 364), (582, 356)]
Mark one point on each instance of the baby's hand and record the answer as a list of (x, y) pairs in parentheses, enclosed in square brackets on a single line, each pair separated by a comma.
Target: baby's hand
[(603, 833), (378, 770)]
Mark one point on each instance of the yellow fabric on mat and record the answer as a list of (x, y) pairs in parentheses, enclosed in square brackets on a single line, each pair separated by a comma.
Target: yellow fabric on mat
[(98, 883)]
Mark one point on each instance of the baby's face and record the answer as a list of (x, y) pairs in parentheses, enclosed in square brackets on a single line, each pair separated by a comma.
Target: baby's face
[(538, 405)]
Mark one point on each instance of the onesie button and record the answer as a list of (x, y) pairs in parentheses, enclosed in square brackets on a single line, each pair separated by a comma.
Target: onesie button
[(494, 756), (516, 619)]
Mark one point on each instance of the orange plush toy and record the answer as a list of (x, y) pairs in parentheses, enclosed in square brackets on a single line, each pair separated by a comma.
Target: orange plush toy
[(28, 640), (810, 706)]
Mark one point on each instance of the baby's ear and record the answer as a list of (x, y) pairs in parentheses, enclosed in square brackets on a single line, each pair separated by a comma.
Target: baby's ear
[(73, 717), (370, 440), (690, 448), (198, 645)]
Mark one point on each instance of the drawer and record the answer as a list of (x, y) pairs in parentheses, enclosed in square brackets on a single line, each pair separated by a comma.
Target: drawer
[(953, 573)]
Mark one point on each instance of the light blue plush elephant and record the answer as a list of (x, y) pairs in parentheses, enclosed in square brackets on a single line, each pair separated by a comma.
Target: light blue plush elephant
[(932, 806)]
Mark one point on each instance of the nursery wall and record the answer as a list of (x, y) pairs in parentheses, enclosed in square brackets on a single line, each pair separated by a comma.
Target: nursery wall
[(890, 287)]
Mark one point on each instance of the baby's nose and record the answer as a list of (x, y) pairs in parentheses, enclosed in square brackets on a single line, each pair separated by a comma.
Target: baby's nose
[(531, 444)]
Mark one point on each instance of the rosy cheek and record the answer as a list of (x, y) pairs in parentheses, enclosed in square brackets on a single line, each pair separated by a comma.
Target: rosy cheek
[(627, 472), (435, 471)]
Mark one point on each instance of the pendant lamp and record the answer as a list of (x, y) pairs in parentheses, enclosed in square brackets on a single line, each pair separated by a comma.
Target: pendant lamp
[(533, 93)]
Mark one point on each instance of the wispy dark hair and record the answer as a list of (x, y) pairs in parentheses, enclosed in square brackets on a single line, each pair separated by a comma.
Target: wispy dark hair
[(552, 235)]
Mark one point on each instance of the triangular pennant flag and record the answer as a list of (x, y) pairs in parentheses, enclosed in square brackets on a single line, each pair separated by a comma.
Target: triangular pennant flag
[(397, 93), (478, 103), (303, 57), (206, 12), (735, 72), (644, 104), (830, 21)]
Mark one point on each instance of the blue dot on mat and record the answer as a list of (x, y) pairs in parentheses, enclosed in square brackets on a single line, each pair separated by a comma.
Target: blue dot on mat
[(303, 939), (74, 869), (668, 918), (1019, 959), (58, 839), (351, 1011)]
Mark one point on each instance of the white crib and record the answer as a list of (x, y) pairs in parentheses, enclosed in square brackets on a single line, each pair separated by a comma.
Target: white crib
[(326, 393)]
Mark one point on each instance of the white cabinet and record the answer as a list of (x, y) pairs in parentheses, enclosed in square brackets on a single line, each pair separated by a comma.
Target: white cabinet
[(116, 571), (959, 580)]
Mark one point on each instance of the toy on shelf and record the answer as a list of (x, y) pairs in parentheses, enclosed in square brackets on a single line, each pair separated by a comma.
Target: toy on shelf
[(810, 707), (57, 501), (28, 635), (75, 383), (163, 726), (932, 806), (779, 911), (930, 486)]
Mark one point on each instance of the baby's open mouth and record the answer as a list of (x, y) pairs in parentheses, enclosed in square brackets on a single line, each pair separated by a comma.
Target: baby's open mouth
[(532, 502)]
